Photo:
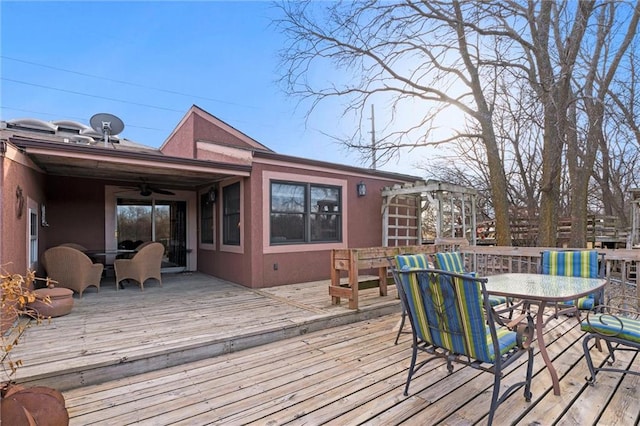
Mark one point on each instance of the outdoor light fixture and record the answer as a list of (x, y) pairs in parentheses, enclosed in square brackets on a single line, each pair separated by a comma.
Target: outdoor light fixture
[(362, 189), (211, 195)]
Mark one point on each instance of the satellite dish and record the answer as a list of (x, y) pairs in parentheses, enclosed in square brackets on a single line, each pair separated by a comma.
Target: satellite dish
[(106, 124)]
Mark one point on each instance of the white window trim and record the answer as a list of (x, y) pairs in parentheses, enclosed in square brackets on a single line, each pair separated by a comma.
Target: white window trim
[(33, 207)]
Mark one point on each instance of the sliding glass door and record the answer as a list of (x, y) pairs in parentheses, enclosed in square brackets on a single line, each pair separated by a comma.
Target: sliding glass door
[(164, 221)]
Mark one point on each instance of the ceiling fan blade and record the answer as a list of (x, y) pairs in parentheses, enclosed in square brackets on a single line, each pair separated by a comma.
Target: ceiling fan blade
[(162, 191)]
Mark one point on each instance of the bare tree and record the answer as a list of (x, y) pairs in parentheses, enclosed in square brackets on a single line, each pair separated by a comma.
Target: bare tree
[(480, 59), (430, 52), (601, 63)]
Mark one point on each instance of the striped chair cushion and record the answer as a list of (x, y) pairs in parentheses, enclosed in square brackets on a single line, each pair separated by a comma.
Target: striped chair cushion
[(570, 263), (451, 315), (452, 261), (618, 326), (582, 263), (587, 302), (412, 261)]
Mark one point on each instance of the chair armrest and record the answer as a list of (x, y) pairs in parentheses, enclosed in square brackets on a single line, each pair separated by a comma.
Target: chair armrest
[(524, 329), (627, 306), (610, 320)]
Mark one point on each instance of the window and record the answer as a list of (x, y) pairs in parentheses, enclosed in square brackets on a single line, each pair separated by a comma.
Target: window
[(33, 237), (303, 213), (207, 219), (231, 214)]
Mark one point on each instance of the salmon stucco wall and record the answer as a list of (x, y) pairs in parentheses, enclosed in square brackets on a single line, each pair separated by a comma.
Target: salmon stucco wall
[(75, 212), (181, 142), (364, 229), (234, 266), (17, 173), (203, 130)]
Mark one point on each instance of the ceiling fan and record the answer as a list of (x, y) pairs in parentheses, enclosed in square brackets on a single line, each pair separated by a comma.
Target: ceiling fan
[(146, 190)]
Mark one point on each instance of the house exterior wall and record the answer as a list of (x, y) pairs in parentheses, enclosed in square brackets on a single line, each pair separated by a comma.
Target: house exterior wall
[(75, 212), (261, 265), (203, 130), (79, 209), (17, 170), (180, 143), (232, 263)]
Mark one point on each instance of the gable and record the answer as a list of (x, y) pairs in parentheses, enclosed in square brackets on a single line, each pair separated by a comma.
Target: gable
[(198, 125)]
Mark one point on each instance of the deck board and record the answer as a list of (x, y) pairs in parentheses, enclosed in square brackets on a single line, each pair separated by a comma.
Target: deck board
[(354, 375), (347, 372)]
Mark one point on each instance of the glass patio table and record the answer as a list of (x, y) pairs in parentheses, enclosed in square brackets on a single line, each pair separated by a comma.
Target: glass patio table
[(541, 290)]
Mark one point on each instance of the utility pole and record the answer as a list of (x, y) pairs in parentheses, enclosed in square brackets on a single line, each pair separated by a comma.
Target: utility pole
[(373, 140)]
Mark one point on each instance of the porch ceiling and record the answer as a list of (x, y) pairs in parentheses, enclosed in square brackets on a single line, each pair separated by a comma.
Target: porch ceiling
[(95, 169), (123, 165)]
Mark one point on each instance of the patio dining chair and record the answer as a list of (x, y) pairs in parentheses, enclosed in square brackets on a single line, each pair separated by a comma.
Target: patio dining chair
[(618, 324), (449, 320), (575, 263), (407, 262)]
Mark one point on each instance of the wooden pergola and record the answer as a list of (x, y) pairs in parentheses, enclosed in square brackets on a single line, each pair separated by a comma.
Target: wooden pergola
[(404, 207)]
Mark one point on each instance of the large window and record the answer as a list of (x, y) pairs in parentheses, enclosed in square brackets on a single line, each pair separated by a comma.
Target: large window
[(231, 214), (303, 213)]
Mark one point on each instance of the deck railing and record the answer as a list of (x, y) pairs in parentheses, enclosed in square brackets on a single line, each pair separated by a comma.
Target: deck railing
[(621, 265)]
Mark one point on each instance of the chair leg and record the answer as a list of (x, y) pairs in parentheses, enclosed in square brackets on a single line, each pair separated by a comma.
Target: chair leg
[(494, 396), (587, 356), (527, 386), (414, 355), (404, 317)]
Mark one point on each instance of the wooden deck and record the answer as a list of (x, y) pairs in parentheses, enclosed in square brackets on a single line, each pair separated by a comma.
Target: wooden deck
[(174, 355)]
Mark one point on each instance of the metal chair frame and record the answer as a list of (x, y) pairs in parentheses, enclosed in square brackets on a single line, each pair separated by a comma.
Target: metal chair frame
[(608, 325), (433, 277)]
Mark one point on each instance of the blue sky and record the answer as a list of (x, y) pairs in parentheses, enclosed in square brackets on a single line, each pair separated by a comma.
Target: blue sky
[(148, 62)]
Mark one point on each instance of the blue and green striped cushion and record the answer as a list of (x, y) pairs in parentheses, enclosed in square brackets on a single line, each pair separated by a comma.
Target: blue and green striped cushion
[(583, 263), (412, 261), (453, 320), (619, 326), (450, 261), (587, 302), (453, 262), (570, 263)]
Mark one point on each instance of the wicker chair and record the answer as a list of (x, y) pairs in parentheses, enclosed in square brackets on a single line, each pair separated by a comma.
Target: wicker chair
[(144, 265), (72, 269), (75, 246)]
